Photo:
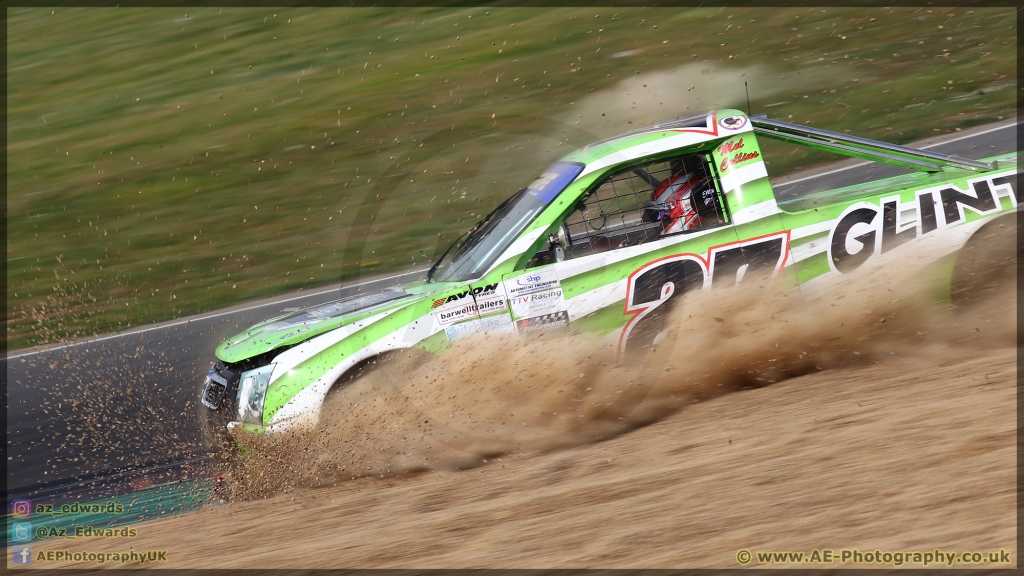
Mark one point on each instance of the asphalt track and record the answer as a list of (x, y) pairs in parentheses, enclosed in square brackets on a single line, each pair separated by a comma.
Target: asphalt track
[(147, 442), (117, 413)]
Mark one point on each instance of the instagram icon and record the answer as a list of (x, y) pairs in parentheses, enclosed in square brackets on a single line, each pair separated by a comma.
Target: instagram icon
[(21, 508)]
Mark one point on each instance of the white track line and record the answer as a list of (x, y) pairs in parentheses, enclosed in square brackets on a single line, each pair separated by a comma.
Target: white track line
[(837, 170), (189, 320)]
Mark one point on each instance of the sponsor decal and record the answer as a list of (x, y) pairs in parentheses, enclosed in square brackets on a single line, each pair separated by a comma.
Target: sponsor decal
[(470, 309), (557, 321), (734, 147), (733, 122), (478, 326), (536, 303), (531, 282), (864, 229), (653, 287), (478, 291), (853, 239), (491, 305), (453, 315)]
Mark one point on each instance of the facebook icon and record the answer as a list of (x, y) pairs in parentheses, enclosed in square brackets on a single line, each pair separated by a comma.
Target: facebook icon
[(21, 554)]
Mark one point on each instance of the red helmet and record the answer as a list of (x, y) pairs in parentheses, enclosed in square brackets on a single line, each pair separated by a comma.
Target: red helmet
[(672, 201)]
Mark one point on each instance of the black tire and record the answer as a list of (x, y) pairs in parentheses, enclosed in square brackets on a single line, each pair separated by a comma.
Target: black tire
[(986, 267), (360, 370), (395, 359), (217, 442)]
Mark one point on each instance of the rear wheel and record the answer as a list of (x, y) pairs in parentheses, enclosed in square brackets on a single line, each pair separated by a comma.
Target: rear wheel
[(986, 267)]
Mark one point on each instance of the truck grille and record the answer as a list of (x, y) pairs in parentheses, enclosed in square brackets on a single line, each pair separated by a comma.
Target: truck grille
[(218, 382), (214, 391)]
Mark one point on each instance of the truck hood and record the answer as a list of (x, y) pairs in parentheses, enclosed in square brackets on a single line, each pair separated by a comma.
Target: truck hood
[(305, 323)]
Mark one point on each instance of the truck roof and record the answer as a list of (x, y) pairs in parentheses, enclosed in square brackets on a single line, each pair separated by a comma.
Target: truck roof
[(662, 137), (725, 123)]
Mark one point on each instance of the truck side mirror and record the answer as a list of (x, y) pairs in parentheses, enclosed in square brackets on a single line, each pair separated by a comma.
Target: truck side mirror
[(557, 242)]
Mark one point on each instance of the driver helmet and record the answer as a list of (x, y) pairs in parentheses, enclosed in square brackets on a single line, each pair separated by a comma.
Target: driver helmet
[(672, 202)]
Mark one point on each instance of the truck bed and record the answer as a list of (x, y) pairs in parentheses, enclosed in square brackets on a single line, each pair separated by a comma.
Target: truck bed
[(792, 199)]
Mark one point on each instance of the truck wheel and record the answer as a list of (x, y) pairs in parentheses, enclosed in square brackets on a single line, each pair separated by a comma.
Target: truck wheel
[(386, 368), (986, 267), (217, 442)]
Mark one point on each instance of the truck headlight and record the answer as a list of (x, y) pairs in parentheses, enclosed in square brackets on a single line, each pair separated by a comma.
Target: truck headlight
[(251, 391)]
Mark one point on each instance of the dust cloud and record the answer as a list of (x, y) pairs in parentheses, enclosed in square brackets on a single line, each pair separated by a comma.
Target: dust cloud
[(485, 397), (654, 97)]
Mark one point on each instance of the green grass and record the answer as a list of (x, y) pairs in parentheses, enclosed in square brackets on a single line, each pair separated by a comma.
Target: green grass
[(161, 165)]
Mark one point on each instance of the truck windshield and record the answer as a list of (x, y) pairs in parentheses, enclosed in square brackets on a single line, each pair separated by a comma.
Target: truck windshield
[(477, 250)]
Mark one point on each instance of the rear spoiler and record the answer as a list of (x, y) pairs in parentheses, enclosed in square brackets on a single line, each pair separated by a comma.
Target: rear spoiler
[(864, 148)]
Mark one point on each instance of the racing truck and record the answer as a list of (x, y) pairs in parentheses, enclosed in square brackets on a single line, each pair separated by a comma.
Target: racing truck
[(606, 240)]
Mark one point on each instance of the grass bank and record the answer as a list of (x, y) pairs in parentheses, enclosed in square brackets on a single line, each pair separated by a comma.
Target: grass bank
[(164, 162)]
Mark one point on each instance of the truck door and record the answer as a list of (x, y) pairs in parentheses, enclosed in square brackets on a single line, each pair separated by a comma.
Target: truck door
[(630, 223), (645, 234)]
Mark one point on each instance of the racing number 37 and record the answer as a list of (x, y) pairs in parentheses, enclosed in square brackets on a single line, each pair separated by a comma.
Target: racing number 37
[(653, 290)]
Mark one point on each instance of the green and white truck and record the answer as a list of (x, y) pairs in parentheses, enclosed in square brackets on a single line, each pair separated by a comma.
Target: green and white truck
[(604, 241)]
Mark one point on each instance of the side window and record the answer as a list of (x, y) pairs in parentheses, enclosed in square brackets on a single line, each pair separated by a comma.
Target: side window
[(642, 203)]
